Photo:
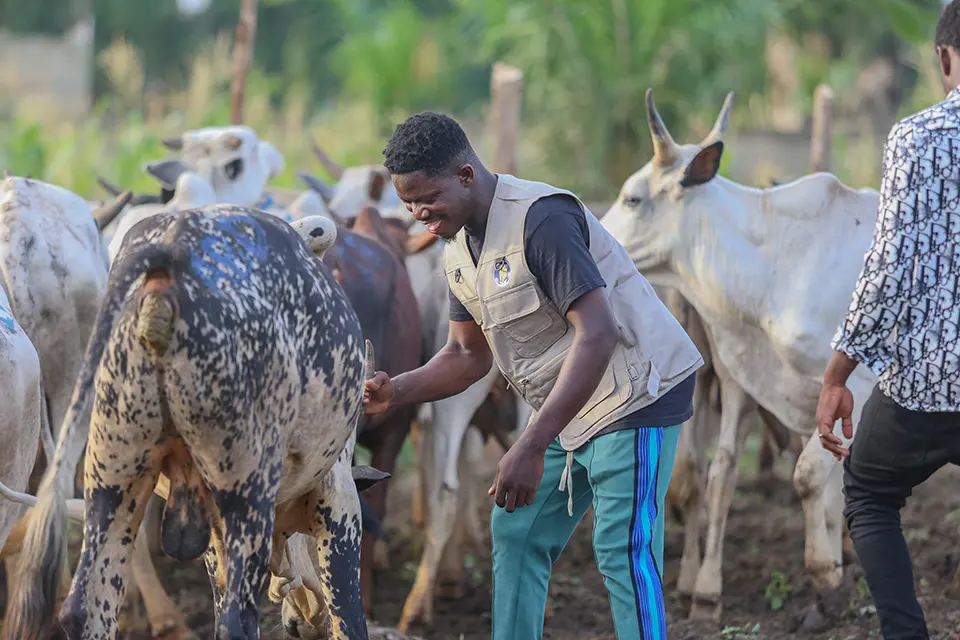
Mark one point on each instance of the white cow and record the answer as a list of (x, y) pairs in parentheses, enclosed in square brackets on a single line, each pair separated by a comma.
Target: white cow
[(191, 191), (53, 266), (23, 419), (770, 272), (357, 187)]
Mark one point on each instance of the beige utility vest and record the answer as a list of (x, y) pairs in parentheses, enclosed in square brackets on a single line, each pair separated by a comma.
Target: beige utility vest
[(530, 339)]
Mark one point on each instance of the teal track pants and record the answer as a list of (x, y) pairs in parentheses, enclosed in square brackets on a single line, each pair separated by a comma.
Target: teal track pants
[(624, 475)]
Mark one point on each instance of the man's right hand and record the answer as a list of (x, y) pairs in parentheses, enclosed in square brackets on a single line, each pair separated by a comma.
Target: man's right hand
[(377, 393)]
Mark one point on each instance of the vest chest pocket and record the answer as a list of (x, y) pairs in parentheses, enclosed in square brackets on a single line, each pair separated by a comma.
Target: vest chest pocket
[(531, 325)]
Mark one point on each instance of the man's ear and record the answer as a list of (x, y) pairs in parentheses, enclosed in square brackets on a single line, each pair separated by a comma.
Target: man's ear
[(466, 174), (704, 166)]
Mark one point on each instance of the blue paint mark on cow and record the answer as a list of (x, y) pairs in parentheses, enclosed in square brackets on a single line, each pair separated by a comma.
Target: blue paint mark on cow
[(6, 319), (230, 256)]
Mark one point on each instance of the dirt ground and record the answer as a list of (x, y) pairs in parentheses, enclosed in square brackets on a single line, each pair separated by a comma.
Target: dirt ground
[(764, 538)]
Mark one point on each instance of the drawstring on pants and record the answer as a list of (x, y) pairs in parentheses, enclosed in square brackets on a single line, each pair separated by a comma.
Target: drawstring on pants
[(566, 482)]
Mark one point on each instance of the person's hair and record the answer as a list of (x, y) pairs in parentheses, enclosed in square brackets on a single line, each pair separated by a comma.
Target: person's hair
[(948, 26), (429, 142)]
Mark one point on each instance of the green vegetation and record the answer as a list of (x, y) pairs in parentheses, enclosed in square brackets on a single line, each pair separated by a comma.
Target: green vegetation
[(347, 70)]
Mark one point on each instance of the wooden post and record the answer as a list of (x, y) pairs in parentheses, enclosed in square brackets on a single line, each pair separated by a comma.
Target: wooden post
[(821, 136), (242, 57), (506, 88)]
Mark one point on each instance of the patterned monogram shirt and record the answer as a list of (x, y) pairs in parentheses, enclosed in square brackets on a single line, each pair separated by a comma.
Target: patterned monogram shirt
[(904, 317)]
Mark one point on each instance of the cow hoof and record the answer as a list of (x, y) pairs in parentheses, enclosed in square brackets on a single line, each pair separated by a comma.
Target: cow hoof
[(814, 620), (706, 608)]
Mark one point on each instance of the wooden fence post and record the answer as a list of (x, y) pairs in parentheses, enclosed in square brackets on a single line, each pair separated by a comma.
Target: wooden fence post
[(506, 90), (821, 135), (242, 57)]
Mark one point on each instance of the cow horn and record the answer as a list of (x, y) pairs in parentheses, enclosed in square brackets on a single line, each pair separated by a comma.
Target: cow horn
[(233, 141), (6, 173), (720, 126), (332, 167), (369, 362), (136, 200), (318, 185), (174, 144), (664, 148), (105, 215)]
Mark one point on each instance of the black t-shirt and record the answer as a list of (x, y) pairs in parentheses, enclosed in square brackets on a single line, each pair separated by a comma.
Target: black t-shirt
[(556, 242)]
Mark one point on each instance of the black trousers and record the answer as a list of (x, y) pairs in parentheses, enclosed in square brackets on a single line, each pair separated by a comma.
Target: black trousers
[(893, 451)]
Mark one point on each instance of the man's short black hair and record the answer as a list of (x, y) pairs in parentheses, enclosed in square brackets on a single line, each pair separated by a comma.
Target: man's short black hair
[(429, 142), (948, 26)]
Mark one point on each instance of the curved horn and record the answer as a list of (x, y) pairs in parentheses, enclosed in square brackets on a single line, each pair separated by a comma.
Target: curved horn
[(135, 201), (6, 173), (332, 167), (720, 126), (664, 148), (318, 185), (369, 361), (105, 214), (233, 141), (174, 144)]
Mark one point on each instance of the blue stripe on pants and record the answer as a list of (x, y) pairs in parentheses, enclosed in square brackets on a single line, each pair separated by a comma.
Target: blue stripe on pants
[(643, 565)]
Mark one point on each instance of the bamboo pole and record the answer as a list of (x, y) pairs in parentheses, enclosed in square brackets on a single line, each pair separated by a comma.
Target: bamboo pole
[(242, 57)]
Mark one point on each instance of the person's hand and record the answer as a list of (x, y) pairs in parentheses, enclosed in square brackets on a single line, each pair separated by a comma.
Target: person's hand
[(377, 393), (518, 476), (836, 403)]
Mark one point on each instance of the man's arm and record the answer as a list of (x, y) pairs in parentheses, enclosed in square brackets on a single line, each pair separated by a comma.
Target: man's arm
[(462, 361)]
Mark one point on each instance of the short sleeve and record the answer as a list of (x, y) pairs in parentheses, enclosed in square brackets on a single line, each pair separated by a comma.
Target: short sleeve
[(557, 247)]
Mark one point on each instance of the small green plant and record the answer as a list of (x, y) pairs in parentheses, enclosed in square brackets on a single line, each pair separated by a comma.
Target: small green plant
[(735, 632), (777, 590)]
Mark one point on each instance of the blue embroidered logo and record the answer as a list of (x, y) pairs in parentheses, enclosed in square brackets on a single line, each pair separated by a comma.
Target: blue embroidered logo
[(501, 272)]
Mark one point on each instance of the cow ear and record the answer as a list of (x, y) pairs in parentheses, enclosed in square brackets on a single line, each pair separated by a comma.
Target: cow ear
[(166, 172), (704, 166), (366, 477), (375, 186)]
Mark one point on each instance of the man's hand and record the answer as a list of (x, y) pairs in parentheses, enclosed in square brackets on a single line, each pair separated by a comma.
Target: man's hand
[(377, 393), (518, 476), (836, 403)]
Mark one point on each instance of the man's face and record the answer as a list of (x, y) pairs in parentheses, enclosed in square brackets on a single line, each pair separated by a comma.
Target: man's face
[(441, 202)]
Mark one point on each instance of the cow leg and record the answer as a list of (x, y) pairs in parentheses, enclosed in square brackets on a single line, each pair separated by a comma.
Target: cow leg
[(418, 503), (238, 556), (817, 480), (466, 528), (118, 482), (439, 454), (385, 445), (164, 616), (338, 533), (721, 483), (688, 482)]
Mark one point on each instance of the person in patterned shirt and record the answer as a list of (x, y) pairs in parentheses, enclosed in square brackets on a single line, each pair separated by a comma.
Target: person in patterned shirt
[(903, 323)]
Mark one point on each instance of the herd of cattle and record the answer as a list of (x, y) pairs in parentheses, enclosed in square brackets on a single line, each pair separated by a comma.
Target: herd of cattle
[(203, 351)]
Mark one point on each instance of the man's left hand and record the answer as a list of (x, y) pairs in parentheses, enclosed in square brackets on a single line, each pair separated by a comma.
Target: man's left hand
[(518, 476)]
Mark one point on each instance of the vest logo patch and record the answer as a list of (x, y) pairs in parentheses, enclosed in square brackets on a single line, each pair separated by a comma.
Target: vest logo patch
[(501, 272)]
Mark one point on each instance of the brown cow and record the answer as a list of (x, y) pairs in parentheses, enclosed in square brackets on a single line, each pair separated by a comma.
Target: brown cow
[(368, 260)]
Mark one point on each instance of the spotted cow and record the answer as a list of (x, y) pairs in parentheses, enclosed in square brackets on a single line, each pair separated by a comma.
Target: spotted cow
[(225, 373)]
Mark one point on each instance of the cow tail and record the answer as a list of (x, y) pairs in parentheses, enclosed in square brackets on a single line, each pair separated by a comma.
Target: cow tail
[(31, 613)]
